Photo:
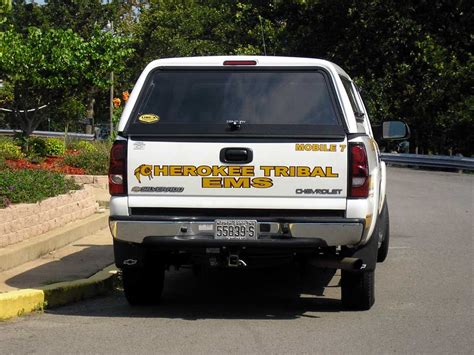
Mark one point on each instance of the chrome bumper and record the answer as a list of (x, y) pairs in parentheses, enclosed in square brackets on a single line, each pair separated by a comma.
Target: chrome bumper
[(344, 232)]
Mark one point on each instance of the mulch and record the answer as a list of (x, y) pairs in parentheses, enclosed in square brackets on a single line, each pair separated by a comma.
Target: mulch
[(50, 163)]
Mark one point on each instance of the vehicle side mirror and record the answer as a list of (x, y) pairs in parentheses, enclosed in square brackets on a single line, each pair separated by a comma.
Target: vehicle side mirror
[(395, 130)]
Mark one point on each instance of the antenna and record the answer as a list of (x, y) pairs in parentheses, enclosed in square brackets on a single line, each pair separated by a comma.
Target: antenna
[(263, 35)]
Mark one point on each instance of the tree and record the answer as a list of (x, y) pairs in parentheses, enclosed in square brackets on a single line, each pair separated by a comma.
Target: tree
[(22, 15), (81, 16), (181, 28), (70, 110), (5, 6), (412, 59), (44, 67)]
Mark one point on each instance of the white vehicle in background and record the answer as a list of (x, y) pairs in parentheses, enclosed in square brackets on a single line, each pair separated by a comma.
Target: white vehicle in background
[(242, 160)]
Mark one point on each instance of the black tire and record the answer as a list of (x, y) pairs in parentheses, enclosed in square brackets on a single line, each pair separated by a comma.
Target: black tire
[(383, 227), (143, 286), (358, 290)]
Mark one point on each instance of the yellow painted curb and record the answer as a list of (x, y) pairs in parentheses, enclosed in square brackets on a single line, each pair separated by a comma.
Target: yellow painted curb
[(72, 291), (17, 303)]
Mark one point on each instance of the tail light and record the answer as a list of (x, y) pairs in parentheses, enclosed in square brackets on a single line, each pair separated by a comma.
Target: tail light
[(359, 171), (118, 169)]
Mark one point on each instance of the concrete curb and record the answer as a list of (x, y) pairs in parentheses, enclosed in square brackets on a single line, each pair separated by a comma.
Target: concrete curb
[(34, 248), (17, 303)]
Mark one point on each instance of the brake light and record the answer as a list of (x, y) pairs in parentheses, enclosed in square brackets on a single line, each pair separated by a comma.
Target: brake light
[(240, 62), (359, 171), (118, 169)]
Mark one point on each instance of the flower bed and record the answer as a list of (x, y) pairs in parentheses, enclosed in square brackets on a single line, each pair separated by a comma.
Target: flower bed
[(51, 154), (32, 170), (36, 195), (26, 185), (49, 163)]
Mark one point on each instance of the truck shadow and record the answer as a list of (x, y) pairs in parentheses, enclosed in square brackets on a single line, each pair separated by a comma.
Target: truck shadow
[(78, 265), (270, 293)]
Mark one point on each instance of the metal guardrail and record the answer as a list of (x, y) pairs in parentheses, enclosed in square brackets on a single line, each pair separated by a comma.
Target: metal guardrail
[(83, 136), (433, 161)]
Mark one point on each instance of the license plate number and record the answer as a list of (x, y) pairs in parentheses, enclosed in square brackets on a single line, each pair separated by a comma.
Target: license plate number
[(235, 229)]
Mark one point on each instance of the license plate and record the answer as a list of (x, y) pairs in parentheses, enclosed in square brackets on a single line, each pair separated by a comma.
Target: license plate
[(235, 229)]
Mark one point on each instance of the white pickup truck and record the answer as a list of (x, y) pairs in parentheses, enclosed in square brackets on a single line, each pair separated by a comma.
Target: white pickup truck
[(238, 161)]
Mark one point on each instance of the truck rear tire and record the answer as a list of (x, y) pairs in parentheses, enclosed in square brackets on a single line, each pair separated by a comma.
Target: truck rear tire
[(143, 286), (358, 289)]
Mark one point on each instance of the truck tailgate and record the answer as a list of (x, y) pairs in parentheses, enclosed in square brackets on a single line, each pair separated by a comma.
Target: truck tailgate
[(298, 175)]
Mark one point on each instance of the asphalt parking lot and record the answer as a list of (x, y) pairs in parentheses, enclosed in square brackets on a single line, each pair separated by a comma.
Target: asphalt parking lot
[(424, 296)]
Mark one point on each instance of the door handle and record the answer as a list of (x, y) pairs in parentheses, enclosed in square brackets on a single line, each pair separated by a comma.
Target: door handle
[(236, 155)]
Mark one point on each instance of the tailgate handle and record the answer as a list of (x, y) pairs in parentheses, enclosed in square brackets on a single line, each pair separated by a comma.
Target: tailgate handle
[(236, 155)]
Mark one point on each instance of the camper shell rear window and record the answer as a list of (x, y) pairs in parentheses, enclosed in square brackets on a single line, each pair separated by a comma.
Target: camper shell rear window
[(236, 102)]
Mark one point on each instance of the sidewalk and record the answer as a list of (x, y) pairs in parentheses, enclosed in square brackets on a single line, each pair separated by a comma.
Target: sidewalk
[(78, 260), (78, 264)]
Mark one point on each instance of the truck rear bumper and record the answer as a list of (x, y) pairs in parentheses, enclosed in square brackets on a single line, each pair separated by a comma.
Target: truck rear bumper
[(316, 233)]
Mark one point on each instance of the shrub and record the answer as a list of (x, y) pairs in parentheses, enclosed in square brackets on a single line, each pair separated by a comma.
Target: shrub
[(103, 146), (35, 158), (37, 147), (3, 164), (94, 162), (82, 146), (55, 147), (9, 149), (28, 186), (20, 140)]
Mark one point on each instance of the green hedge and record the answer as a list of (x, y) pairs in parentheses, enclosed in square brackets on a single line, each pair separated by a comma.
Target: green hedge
[(9, 149), (93, 158), (82, 146), (28, 186), (54, 147)]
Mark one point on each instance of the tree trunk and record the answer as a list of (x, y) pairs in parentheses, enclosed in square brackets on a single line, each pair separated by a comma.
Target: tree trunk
[(90, 114), (25, 122), (66, 129)]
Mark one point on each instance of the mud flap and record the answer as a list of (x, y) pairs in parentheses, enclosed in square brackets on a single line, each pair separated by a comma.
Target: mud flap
[(128, 255), (367, 253)]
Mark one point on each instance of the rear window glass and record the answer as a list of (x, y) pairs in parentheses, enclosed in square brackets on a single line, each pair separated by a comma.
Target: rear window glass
[(256, 99)]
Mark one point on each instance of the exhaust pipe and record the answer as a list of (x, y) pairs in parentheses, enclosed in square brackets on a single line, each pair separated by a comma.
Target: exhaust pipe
[(337, 263)]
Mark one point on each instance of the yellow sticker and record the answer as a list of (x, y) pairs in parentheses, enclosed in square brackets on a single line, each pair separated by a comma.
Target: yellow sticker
[(149, 118)]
